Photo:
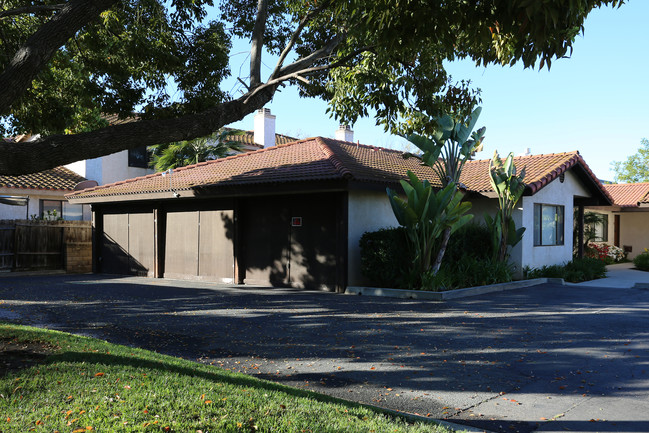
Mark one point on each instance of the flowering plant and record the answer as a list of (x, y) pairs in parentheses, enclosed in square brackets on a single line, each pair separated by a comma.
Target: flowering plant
[(605, 252)]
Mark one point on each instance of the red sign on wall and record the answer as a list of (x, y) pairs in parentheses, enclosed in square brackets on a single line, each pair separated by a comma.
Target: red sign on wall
[(296, 221)]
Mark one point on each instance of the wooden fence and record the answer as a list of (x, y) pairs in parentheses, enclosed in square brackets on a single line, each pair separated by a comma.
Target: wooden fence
[(39, 245)]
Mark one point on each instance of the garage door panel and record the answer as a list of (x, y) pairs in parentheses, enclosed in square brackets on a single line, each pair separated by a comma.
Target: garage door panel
[(141, 244), (114, 244), (266, 243), (313, 245), (181, 245), (216, 246)]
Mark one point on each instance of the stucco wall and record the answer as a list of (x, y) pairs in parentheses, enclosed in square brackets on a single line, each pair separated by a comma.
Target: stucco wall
[(108, 169), (115, 168), (367, 211), (555, 193), (634, 231)]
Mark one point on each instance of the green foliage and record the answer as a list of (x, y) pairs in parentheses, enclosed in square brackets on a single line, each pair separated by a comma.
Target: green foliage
[(139, 53), (641, 261), (426, 214), (361, 56), (636, 167), (173, 155), (510, 187), (430, 215), (403, 74), (472, 240), (386, 258), (449, 145), (468, 272), (575, 271)]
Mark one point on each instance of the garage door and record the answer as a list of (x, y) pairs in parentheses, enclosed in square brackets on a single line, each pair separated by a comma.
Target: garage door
[(127, 244), (291, 241), (199, 245)]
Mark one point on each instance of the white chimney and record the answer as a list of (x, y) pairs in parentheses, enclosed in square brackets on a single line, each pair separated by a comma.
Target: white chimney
[(345, 133), (264, 128)]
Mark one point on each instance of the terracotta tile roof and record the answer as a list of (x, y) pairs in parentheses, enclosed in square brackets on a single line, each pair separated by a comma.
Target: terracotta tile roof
[(320, 158), (628, 194), (539, 170), (59, 178)]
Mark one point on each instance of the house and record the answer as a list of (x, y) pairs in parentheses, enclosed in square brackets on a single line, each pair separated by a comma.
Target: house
[(38, 193), (625, 222), (293, 214)]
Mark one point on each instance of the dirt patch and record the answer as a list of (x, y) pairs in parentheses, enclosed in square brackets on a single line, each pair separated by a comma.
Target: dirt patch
[(17, 355)]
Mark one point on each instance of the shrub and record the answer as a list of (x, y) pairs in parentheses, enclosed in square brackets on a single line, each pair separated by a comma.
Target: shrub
[(641, 261), (387, 261), (471, 240), (385, 257), (609, 254), (575, 271), (467, 272), (551, 271)]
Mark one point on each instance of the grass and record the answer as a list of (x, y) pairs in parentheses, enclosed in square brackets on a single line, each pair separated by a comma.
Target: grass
[(67, 383)]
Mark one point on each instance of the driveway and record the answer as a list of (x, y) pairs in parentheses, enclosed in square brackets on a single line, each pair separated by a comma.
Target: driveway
[(547, 358)]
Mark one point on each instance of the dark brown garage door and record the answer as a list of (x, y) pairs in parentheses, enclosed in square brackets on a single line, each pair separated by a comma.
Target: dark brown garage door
[(127, 244), (199, 244), (290, 241)]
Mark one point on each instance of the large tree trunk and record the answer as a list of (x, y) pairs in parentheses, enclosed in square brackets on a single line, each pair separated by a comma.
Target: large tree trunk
[(54, 150)]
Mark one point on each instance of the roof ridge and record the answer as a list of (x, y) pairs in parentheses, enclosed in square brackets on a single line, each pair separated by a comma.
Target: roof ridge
[(626, 184), (333, 158)]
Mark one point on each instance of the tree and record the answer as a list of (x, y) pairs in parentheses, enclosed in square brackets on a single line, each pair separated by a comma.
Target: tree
[(429, 216), (64, 62), (510, 187), (636, 167), (180, 154), (450, 143)]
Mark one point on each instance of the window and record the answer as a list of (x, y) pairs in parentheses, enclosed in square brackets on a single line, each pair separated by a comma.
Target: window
[(57, 209), (138, 157), (51, 209), (72, 212), (600, 229), (548, 224)]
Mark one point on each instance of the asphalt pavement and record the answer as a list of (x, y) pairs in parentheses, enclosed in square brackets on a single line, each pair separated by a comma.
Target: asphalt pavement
[(546, 358)]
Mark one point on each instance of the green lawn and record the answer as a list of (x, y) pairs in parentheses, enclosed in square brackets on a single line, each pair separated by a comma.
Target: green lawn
[(75, 384)]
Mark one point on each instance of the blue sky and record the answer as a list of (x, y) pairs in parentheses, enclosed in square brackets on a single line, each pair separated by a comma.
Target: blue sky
[(596, 102)]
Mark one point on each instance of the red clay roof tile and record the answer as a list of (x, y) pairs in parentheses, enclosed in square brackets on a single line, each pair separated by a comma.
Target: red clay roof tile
[(321, 158), (59, 178), (628, 194)]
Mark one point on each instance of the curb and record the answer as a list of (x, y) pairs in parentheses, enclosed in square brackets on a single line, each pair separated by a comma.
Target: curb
[(455, 427), (451, 294), (32, 273)]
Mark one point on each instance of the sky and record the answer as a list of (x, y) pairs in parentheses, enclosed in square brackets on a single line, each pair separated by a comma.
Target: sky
[(596, 102)]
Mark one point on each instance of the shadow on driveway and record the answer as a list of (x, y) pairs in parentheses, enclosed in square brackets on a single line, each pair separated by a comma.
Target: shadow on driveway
[(547, 358)]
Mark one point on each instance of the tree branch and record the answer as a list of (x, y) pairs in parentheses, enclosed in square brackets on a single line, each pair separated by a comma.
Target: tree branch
[(294, 37), (307, 61), (298, 74), (40, 47), (35, 9), (55, 150), (258, 43)]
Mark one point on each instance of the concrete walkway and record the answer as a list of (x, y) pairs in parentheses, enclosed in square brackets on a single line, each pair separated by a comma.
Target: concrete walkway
[(620, 276)]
